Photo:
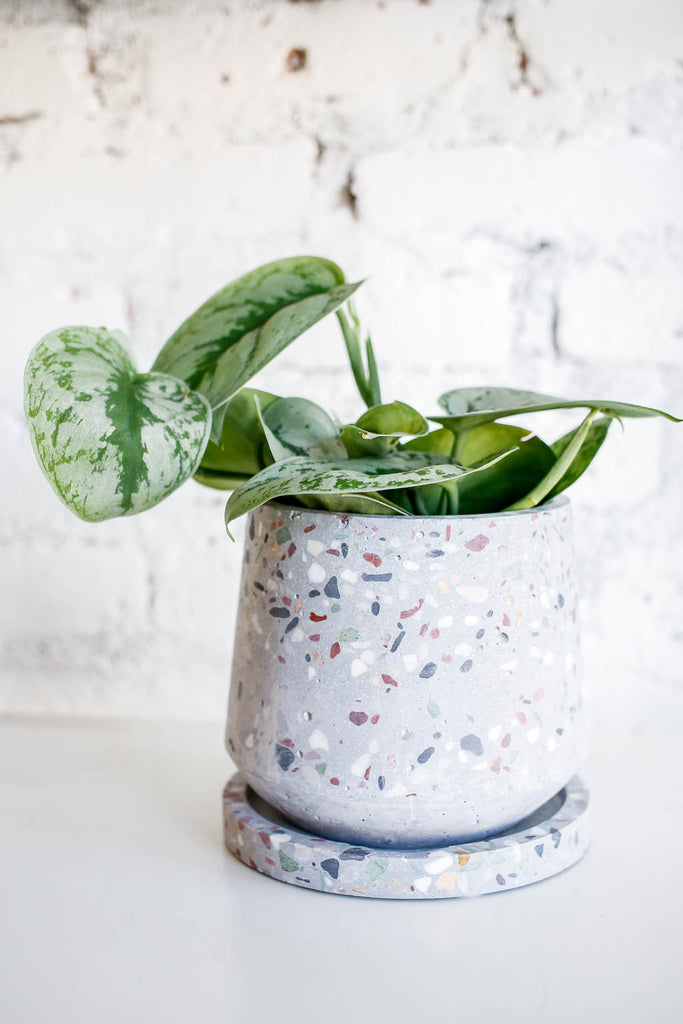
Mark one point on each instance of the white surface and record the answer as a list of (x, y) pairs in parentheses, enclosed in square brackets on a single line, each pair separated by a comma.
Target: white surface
[(517, 168), (121, 906)]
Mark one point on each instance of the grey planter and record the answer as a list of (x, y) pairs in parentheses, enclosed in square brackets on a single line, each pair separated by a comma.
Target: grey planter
[(407, 681)]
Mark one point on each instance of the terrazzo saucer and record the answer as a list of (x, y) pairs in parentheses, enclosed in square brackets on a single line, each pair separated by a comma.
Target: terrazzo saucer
[(552, 839)]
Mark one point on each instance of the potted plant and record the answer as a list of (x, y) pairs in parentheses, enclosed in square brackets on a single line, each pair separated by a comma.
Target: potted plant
[(405, 687)]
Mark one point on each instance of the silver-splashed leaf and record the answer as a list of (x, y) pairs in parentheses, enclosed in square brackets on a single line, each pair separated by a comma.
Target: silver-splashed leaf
[(300, 475), (239, 308), (254, 350), (468, 407), (110, 441)]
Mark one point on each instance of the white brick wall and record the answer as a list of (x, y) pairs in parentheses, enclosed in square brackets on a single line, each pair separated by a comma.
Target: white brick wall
[(509, 176)]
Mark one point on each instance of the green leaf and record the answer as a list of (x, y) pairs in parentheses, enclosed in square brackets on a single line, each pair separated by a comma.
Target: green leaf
[(380, 428), (300, 427), (242, 448), (394, 419), (562, 465), (441, 441), (256, 349), (242, 307), (588, 450), (300, 475), (496, 488), (435, 499), (468, 407), (111, 442), (217, 480)]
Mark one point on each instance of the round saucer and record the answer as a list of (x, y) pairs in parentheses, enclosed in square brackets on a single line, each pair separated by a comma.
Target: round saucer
[(548, 841)]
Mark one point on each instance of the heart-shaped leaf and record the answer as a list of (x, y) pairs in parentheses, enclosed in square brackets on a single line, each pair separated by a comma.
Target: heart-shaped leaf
[(111, 442), (301, 475), (241, 307), (467, 407), (255, 350)]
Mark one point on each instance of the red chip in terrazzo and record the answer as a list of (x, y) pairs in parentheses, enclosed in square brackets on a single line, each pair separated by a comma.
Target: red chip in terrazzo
[(477, 543), (334, 781), (375, 719), (317, 618), (335, 649), (388, 680), (375, 559), (411, 611), (358, 717)]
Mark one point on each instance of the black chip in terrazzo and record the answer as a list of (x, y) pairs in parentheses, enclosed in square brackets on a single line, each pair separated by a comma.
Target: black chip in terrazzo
[(284, 757), (394, 646), (354, 853), (331, 866), (473, 744)]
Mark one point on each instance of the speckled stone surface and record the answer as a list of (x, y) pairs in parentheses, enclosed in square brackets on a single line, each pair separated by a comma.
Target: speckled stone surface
[(406, 681), (550, 841)]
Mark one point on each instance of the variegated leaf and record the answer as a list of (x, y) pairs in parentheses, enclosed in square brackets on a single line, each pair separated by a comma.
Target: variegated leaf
[(254, 350), (301, 475), (240, 308), (110, 441), (468, 407)]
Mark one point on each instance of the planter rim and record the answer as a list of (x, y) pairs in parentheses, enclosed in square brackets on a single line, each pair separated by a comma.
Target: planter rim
[(559, 502)]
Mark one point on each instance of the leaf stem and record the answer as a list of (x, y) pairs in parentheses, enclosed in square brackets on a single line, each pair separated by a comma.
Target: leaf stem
[(558, 469)]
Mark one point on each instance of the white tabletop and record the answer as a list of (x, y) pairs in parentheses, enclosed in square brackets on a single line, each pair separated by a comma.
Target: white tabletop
[(119, 903)]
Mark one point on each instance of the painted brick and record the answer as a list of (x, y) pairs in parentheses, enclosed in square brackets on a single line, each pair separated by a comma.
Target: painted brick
[(505, 175)]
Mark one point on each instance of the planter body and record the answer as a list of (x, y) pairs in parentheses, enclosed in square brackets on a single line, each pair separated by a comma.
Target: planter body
[(407, 681)]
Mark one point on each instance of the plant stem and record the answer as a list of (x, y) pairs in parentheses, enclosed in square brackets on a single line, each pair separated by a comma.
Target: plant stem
[(367, 380), (557, 471)]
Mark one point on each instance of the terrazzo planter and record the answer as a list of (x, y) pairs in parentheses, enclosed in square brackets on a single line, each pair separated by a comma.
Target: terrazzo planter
[(403, 681)]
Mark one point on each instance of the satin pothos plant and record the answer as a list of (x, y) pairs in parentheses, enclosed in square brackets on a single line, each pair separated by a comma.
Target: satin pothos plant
[(113, 441)]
